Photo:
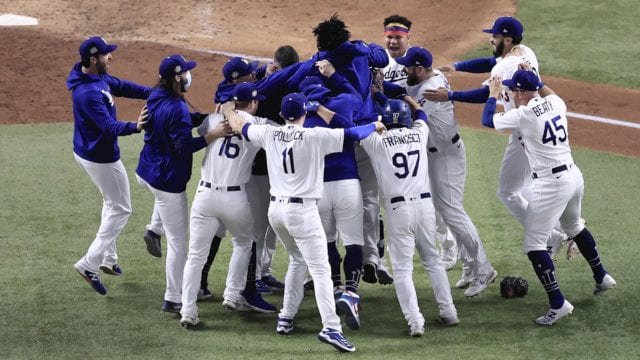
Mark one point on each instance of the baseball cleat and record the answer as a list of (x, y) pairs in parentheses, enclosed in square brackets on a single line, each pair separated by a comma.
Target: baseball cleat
[(370, 273), (384, 278), (189, 321), (337, 291), (308, 284), (171, 307), (347, 305), (336, 339), (465, 279), (154, 246), (284, 326), (448, 320), (204, 294), (448, 257), (255, 302), (416, 330), (111, 269), (555, 242), (233, 304), (262, 288), (608, 282), (93, 279), (554, 315), (272, 282), (480, 283)]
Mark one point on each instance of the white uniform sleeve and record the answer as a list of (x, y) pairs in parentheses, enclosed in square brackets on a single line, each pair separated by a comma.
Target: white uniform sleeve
[(330, 140), (257, 134), (508, 120), (204, 127)]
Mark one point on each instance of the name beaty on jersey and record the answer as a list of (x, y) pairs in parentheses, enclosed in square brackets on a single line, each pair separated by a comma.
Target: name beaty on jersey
[(542, 108)]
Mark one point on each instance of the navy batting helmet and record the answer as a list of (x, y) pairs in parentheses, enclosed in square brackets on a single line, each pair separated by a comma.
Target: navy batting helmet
[(396, 113)]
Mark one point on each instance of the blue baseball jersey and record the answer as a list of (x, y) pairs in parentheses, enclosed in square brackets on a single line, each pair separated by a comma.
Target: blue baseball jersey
[(95, 124)]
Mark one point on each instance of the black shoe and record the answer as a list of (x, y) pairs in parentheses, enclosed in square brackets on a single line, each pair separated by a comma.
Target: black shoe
[(154, 246), (171, 307), (370, 273)]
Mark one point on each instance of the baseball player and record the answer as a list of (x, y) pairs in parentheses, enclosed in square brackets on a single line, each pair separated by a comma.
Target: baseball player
[(295, 159), (399, 158), (164, 167), (226, 168), (340, 207), (557, 186), (95, 148), (397, 35), (506, 38), (447, 165)]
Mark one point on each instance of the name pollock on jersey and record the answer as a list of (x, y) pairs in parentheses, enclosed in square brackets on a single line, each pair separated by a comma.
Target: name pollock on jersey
[(399, 140), (280, 135), (542, 108)]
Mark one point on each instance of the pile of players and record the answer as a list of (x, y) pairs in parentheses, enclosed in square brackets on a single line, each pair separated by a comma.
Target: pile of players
[(307, 152)]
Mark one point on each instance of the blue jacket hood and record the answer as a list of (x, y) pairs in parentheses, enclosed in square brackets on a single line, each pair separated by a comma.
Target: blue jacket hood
[(77, 77)]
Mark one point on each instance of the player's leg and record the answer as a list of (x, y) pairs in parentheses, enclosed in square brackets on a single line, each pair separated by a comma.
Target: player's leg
[(400, 219), (571, 222), (203, 226), (429, 257), (348, 214), (448, 248), (384, 275), (326, 208), (153, 234), (112, 182), (204, 292), (259, 200), (513, 172), (547, 202), (371, 214)]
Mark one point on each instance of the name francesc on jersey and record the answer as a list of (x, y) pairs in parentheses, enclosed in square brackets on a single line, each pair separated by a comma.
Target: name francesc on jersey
[(280, 135), (401, 139)]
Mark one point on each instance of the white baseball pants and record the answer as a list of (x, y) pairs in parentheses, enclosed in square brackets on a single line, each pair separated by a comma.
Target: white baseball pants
[(371, 207), (211, 208), (172, 209), (258, 194), (514, 173), (112, 182), (341, 209), (299, 228), (411, 224)]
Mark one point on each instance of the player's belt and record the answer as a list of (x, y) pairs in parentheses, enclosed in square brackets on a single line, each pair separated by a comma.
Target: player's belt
[(293, 200), (554, 170), (454, 140), (225, 188), (401, 198)]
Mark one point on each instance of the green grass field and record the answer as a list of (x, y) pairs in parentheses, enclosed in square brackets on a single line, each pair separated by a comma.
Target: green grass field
[(594, 41), (50, 212)]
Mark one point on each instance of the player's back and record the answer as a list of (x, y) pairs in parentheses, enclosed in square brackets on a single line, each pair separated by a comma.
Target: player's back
[(295, 157), (399, 159), (545, 133), (228, 160)]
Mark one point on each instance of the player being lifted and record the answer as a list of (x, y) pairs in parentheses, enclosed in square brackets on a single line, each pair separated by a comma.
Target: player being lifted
[(295, 160), (399, 159), (557, 186)]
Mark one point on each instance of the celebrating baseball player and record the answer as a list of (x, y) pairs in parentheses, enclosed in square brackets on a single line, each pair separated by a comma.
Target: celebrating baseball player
[(447, 167), (226, 169), (95, 148), (165, 164), (557, 186), (295, 159), (400, 162)]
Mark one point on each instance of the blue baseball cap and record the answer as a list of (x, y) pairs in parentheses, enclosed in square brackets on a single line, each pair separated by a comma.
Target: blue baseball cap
[(174, 65), (523, 80), (310, 82), (416, 56), (95, 46), (246, 91), (293, 106), (507, 26), (237, 67)]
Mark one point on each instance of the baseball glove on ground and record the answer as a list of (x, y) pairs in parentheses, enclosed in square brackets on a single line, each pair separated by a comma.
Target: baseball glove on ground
[(511, 287)]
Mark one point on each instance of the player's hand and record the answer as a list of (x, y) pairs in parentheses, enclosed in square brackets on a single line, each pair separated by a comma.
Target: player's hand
[(525, 66), (380, 128), (378, 79), (312, 106), (221, 130), (271, 68), (143, 117), (448, 70), (228, 106), (440, 94), (495, 86), (325, 68)]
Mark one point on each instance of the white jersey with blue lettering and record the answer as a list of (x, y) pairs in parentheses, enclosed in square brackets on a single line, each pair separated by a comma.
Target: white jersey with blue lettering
[(508, 65), (542, 123), (442, 124), (394, 72), (295, 157), (227, 161), (399, 158)]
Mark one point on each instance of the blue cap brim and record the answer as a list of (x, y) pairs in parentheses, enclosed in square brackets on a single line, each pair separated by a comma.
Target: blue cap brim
[(488, 31), (403, 60), (509, 83), (254, 65), (260, 98), (190, 65), (109, 49)]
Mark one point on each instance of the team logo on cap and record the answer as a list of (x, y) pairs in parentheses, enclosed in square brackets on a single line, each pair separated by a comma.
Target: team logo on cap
[(93, 50), (178, 69), (254, 93), (235, 74)]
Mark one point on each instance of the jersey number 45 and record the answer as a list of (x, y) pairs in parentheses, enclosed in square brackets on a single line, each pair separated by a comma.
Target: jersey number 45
[(549, 134)]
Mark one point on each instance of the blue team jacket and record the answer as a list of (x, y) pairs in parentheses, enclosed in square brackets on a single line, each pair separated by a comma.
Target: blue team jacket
[(96, 128), (351, 59), (166, 158), (341, 165)]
